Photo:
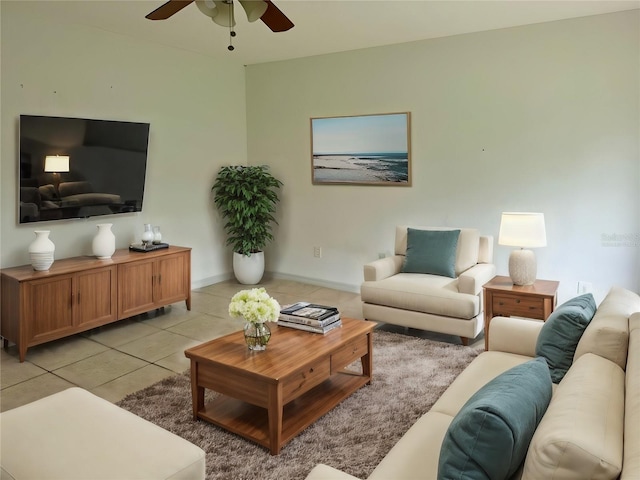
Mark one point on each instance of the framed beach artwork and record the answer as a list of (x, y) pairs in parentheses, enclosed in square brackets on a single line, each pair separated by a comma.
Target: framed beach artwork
[(361, 150)]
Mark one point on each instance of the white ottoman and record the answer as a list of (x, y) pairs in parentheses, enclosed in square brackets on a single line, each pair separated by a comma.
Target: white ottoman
[(76, 435)]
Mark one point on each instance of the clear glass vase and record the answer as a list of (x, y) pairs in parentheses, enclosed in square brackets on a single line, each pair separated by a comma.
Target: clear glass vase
[(257, 335)]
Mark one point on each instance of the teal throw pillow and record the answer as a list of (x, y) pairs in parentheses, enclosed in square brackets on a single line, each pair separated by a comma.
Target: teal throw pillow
[(560, 334), (490, 435), (431, 251)]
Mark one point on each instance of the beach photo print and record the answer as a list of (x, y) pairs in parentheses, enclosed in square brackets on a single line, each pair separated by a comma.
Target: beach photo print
[(361, 150)]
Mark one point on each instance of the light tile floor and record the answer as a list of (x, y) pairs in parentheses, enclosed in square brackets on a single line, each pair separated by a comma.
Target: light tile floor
[(124, 357)]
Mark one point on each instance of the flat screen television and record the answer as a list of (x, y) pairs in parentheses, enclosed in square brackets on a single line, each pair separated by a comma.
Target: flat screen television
[(79, 168)]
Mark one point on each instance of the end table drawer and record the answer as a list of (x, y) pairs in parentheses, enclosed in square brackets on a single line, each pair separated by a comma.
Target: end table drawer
[(305, 379), (349, 353), (519, 306)]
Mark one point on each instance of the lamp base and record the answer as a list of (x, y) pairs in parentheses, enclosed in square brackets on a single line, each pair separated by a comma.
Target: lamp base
[(522, 267)]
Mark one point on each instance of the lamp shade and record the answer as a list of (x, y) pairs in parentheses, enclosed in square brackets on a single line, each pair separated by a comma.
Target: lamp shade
[(56, 163), (522, 229)]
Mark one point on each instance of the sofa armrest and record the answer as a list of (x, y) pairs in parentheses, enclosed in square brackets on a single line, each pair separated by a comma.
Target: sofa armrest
[(383, 268), (325, 472), (471, 281), (514, 335)]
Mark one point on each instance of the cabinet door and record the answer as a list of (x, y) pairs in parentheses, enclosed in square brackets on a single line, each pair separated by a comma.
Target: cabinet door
[(49, 313), (171, 279), (95, 297), (135, 288)]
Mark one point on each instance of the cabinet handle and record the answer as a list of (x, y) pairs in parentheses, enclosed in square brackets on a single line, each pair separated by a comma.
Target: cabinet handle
[(160, 279), (500, 303), (78, 298), (517, 300)]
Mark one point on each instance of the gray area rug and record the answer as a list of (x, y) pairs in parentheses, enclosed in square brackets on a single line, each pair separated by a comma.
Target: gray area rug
[(409, 375)]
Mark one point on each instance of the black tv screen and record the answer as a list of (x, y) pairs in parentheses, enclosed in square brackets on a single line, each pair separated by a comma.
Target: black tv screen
[(78, 168)]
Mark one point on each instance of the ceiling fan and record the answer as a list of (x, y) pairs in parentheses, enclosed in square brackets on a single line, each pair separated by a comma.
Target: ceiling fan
[(221, 12)]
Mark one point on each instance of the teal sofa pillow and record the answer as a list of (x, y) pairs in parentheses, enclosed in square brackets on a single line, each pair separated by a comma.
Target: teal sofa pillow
[(431, 251), (560, 334), (490, 435)]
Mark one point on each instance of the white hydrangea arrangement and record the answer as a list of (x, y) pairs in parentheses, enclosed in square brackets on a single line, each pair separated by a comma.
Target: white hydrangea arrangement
[(255, 306)]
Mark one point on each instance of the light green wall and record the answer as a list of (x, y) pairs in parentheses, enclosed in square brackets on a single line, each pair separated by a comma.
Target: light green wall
[(196, 108), (541, 118), (536, 118)]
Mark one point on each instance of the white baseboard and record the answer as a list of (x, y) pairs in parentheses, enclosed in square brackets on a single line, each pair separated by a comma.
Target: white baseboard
[(345, 287)]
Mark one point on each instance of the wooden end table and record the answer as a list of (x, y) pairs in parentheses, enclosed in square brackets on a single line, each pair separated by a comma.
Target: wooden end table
[(269, 397), (504, 299)]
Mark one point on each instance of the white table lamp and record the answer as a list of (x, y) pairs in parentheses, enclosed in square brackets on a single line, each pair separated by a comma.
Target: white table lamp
[(524, 230)]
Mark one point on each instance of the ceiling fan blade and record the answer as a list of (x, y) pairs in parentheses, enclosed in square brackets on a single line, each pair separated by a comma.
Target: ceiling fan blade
[(165, 11), (275, 19)]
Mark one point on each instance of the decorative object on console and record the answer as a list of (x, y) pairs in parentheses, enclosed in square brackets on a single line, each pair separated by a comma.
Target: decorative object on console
[(41, 251), (246, 197), (524, 230), (147, 236), (104, 243), (157, 235), (256, 307)]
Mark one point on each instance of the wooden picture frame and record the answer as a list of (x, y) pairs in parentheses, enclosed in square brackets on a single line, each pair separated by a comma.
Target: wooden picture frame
[(370, 149)]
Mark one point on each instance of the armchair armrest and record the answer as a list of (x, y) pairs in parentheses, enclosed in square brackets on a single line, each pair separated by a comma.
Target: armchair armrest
[(383, 268), (325, 472), (471, 281), (514, 335)]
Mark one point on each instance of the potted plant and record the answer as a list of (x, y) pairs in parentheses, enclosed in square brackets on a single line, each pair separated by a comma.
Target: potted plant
[(246, 196)]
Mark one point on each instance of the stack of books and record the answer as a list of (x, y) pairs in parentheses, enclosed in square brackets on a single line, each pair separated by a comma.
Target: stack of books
[(310, 317)]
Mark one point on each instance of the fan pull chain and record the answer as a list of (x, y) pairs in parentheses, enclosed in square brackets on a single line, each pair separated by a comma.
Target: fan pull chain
[(232, 33)]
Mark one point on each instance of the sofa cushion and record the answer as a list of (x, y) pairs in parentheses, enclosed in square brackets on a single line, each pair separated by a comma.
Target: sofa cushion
[(561, 332), (467, 251), (431, 251), (581, 435), (421, 293), (489, 437), (608, 333)]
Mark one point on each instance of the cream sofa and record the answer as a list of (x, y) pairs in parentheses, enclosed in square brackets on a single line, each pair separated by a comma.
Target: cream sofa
[(451, 305), (591, 429)]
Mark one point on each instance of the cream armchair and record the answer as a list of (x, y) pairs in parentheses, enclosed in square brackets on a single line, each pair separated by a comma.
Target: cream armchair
[(393, 293)]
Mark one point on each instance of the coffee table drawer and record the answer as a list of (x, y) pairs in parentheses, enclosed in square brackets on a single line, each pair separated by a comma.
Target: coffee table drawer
[(349, 353), (305, 379)]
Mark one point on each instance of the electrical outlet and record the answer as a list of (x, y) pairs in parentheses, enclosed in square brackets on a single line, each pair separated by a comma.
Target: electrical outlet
[(317, 252), (584, 287)]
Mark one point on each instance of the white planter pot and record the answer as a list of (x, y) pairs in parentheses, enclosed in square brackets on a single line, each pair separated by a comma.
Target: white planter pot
[(248, 269), (104, 243)]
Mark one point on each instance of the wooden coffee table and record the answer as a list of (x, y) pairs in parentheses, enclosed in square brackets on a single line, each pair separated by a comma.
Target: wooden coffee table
[(271, 396)]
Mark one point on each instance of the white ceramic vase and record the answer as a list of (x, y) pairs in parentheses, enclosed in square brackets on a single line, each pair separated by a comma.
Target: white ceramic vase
[(248, 269), (104, 243), (41, 251)]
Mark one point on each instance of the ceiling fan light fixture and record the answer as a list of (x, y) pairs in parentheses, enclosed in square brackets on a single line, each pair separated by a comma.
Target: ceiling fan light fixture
[(207, 7), (254, 8), (224, 16)]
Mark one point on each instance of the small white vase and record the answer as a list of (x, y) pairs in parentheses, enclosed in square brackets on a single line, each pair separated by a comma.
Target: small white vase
[(41, 251), (248, 269), (147, 236), (104, 243)]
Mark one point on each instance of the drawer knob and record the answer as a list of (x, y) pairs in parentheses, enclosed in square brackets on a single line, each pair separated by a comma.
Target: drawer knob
[(500, 303), (517, 300)]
